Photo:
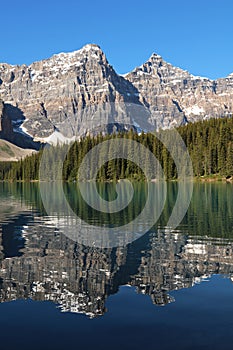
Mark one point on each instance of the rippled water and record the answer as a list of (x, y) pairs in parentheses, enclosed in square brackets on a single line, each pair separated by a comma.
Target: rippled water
[(165, 290)]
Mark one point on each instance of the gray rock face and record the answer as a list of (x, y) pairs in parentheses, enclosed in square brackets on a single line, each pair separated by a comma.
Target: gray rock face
[(79, 91), (6, 128), (67, 88), (174, 96), (1, 114)]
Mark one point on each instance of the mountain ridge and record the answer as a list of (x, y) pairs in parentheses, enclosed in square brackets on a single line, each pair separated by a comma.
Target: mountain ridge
[(82, 88), (88, 45)]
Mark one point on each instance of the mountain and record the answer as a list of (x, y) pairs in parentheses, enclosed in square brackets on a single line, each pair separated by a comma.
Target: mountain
[(174, 96), (72, 94)]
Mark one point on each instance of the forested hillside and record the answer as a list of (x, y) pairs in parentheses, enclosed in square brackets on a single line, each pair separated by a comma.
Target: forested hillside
[(210, 145)]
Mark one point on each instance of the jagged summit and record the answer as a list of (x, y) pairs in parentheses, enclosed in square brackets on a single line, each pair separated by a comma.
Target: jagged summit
[(91, 46), (89, 51), (41, 98), (153, 59), (154, 56), (88, 48)]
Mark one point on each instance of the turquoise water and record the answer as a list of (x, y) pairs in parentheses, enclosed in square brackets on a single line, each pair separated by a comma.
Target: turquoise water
[(164, 290)]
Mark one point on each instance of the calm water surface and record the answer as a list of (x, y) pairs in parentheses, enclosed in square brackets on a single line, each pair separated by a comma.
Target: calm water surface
[(165, 290)]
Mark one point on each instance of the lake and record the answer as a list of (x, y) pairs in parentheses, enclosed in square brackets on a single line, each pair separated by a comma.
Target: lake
[(153, 288)]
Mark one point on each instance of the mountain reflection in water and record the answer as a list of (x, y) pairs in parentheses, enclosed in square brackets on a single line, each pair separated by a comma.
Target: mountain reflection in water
[(42, 263)]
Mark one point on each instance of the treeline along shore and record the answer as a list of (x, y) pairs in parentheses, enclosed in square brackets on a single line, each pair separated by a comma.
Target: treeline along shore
[(209, 143)]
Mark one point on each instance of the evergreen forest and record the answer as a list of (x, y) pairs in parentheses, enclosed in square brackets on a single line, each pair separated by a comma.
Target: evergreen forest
[(209, 143)]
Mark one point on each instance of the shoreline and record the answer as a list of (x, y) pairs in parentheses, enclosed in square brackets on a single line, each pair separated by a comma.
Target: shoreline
[(209, 178)]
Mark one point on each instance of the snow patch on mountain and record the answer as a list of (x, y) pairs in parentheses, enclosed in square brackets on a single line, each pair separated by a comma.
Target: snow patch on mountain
[(194, 110), (56, 138)]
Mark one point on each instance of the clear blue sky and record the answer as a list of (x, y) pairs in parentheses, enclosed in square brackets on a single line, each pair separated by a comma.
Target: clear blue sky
[(196, 35)]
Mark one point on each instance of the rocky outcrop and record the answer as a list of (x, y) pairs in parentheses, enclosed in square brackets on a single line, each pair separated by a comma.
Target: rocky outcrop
[(15, 143), (6, 128), (1, 114), (53, 93), (174, 96), (74, 93)]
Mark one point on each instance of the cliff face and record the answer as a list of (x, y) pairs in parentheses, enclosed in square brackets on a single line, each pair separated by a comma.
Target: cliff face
[(81, 86), (53, 93), (6, 128), (1, 114), (174, 96)]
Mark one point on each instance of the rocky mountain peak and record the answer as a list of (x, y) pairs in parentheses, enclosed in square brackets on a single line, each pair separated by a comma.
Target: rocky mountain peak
[(43, 97), (62, 63), (155, 59), (156, 69), (230, 76), (88, 51), (91, 48)]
